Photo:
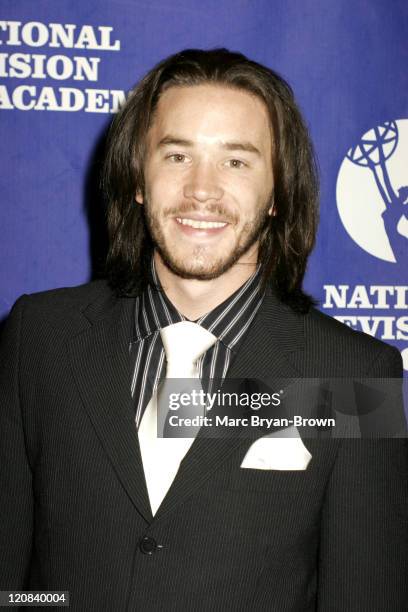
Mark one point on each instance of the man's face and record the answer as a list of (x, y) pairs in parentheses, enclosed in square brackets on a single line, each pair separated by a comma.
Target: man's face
[(208, 178)]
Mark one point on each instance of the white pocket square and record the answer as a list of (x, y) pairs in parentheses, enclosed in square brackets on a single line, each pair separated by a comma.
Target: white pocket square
[(282, 450)]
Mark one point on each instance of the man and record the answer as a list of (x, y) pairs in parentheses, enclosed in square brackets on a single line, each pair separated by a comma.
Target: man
[(212, 212)]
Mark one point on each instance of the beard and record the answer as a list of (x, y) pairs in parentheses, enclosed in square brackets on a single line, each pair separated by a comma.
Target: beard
[(200, 263)]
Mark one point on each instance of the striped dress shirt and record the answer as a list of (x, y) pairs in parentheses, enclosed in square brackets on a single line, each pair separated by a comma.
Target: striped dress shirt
[(153, 310)]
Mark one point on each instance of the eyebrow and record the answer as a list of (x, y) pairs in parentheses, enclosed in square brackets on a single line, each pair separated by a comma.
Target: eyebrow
[(228, 146)]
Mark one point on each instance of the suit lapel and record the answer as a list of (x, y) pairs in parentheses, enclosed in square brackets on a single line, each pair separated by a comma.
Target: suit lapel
[(266, 353), (101, 366)]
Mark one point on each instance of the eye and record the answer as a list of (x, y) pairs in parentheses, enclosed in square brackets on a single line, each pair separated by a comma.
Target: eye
[(177, 158), (236, 163)]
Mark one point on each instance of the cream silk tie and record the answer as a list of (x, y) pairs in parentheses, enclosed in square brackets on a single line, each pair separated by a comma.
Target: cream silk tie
[(184, 343)]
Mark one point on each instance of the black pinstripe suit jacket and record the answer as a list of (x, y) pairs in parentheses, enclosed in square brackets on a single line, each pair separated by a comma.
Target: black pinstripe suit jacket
[(74, 512)]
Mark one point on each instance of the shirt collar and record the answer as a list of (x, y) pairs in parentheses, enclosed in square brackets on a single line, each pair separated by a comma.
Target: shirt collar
[(153, 310)]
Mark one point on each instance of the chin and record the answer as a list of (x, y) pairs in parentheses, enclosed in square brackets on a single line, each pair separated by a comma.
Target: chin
[(201, 263), (199, 270), (196, 272)]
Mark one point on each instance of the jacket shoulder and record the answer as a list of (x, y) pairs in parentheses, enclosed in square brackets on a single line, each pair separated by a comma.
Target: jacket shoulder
[(71, 296), (63, 308), (347, 350)]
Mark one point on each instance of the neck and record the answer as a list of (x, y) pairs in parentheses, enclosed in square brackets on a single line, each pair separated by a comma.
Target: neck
[(194, 298)]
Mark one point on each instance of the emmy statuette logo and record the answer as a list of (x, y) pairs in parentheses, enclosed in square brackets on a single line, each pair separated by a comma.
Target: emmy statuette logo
[(372, 191)]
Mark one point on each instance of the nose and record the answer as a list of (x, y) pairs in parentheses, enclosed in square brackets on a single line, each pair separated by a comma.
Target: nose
[(202, 183)]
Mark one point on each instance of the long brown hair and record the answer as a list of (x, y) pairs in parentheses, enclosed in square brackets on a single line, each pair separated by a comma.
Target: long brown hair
[(290, 234)]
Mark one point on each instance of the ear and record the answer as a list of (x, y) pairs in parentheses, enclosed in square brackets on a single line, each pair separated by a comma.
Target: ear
[(139, 197)]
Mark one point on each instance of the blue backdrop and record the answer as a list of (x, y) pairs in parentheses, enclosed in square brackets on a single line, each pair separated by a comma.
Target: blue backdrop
[(65, 68)]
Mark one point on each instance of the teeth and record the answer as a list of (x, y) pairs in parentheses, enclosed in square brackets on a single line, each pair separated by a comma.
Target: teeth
[(200, 224)]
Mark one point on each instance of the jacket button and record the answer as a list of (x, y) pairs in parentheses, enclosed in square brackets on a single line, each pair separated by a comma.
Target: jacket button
[(148, 546)]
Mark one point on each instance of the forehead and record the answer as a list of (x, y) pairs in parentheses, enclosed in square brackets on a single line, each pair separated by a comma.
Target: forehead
[(212, 111)]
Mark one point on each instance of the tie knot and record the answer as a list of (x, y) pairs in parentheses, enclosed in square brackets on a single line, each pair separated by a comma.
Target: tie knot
[(184, 343)]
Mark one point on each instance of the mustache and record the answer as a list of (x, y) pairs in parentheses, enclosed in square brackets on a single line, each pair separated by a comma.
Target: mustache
[(214, 208)]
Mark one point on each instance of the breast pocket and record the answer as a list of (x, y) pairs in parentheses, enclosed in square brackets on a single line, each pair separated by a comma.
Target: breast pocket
[(270, 482)]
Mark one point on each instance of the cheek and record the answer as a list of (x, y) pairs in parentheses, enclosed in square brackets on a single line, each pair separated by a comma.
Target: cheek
[(251, 205), (162, 187), (250, 192)]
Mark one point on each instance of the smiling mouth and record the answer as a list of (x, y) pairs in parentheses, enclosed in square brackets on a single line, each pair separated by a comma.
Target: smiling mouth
[(200, 224)]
